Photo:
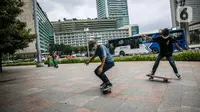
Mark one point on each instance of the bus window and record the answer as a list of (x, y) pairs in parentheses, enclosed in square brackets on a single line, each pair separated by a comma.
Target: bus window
[(178, 35), (132, 43), (136, 43)]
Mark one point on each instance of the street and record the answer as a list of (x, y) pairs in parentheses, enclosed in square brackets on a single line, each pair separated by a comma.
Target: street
[(75, 88)]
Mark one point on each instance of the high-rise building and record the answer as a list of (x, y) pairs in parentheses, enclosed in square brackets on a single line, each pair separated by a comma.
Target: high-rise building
[(195, 4), (192, 31), (80, 38), (69, 25), (133, 29), (117, 9), (45, 27), (71, 32)]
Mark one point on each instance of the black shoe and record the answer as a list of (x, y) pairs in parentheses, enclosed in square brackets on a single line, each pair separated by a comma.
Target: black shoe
[(110, 84), (150, 74), (178, 75), (107, 87)]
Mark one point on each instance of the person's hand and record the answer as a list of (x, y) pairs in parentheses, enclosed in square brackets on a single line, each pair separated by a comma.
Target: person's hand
[(100, 69), (87, 62), (143, 35)]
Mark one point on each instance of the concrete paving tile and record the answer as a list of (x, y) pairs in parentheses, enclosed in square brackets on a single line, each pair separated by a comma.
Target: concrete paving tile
[(94, 91), (78, 89), (143, 92), (168, 108), (52, 95), (129, 106), (190, 88), (129, 91), (79, 100), (111, 105), (191, 101), (16, 107), (58, 107), (189, 109), (96, 103), (31, 91), (172, 101), (147, 107)]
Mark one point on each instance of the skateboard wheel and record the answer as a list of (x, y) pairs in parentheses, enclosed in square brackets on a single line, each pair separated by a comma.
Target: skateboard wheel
[(165, 80), (108, 91), (151, 78)]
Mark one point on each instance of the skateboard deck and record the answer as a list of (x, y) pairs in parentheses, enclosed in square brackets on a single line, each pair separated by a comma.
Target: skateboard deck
[(106, 91), (151, 77)]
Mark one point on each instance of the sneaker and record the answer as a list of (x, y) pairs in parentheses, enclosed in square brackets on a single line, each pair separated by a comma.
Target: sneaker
[(107, 87), (150, 73), (103, 85), (178, 75)]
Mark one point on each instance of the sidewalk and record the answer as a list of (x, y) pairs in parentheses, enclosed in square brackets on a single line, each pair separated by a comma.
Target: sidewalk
[(75, 88)]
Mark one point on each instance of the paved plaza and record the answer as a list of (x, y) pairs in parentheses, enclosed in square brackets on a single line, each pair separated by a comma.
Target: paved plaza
[(75, 88)]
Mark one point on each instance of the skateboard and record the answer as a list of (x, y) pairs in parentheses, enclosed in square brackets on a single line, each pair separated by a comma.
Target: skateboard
[(151, 77), (106, 91)]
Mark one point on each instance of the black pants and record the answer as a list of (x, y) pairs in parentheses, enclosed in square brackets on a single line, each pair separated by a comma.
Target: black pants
[(102, 75), (169, 58)]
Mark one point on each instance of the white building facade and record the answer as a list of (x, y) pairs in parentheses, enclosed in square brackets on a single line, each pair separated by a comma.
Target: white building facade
[(80, 38)]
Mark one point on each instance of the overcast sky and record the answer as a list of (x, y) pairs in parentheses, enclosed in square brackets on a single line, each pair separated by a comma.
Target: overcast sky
[(150, 15)]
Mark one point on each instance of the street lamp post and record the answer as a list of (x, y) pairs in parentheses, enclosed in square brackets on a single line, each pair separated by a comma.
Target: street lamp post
[(86, 30), (40, 64)]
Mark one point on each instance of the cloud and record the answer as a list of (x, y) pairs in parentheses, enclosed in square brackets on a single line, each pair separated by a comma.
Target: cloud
[(148, 14)]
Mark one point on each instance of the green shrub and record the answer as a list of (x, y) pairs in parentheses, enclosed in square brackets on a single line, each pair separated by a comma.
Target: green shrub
[(184, 56), (188, 56), (19, 64)]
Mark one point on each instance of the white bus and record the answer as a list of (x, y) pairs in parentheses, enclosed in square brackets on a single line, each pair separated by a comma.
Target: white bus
[(127, 46)]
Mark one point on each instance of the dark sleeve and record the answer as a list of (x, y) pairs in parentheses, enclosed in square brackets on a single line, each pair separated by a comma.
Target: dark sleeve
[(173, 40), (156, 38)]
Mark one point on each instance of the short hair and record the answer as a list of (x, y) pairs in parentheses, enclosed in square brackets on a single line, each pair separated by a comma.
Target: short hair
[(165, 32), (92, 43)]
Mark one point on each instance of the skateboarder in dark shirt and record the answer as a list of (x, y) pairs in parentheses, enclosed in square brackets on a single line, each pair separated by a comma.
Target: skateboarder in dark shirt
[(166, 50), (107, 62)]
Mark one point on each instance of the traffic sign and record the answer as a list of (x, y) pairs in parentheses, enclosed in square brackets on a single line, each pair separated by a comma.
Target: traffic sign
[(184, 14)]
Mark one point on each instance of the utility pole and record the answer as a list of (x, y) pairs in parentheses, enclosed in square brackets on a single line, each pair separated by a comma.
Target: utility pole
[(40, 64), (86, 29)]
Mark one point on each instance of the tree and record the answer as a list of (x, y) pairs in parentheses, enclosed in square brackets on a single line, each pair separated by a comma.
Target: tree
[(83, 49), (61, 49), (67, 50), (75, 49), (13, 32)]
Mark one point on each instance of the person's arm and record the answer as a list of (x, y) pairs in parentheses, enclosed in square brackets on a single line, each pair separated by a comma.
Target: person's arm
[(150, 38), (175, 42), (178, 46), (93, 57), (103, 61)]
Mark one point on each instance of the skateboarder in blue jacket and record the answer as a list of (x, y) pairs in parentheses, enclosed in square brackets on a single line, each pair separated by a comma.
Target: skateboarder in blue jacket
[(166, 50), (107, 62)]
